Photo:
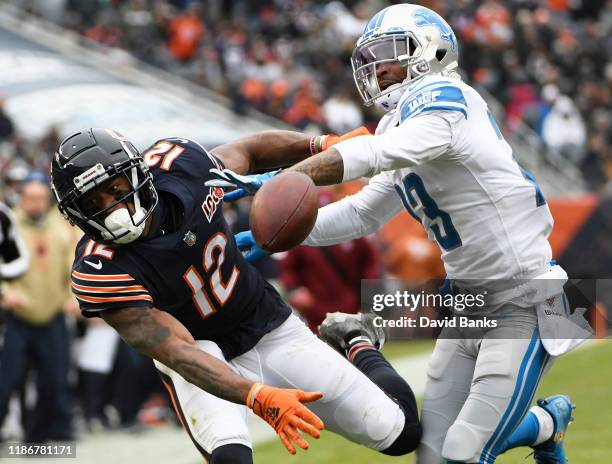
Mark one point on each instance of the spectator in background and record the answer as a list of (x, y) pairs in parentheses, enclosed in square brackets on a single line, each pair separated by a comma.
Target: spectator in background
[(549, 95), (95, 358), (305, 109), (13, 181), (7, 130), (104, 31), (139, 29), (185, 32), (35, 325), (321, 280), (563, 129), (13, 253), (341, 112)]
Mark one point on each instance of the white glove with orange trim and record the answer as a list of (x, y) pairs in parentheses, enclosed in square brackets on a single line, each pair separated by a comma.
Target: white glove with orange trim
[(284, 410)]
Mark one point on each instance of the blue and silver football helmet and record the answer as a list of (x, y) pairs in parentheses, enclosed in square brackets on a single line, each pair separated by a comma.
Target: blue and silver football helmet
[(415, 36)]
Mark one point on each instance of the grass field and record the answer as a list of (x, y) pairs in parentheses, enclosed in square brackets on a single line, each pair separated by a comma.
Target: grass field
[(586, 375)]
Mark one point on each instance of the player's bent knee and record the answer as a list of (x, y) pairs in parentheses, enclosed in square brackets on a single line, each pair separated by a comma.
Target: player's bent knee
[(407, 441), (461, 444), (232, 454)]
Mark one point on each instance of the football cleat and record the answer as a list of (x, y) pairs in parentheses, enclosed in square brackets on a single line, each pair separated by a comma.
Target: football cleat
[(560, 409), (338, 329)]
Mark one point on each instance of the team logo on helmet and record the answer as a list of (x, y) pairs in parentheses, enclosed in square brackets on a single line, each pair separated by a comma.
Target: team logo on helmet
[(425, 17)]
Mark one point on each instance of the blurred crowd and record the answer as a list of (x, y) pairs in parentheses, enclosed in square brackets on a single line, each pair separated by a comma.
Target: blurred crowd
[(547, 61)]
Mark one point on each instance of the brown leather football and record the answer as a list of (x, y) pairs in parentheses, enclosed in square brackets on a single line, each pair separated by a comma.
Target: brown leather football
[(284, 211)]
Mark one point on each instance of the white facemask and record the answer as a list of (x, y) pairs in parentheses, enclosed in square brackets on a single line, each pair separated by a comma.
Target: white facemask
[(120, 222)]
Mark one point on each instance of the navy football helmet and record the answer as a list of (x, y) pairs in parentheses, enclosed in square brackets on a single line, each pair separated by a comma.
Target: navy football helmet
[(89, 158)]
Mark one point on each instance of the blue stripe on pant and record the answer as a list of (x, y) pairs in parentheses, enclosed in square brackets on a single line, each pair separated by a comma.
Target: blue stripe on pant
[(530, 372)]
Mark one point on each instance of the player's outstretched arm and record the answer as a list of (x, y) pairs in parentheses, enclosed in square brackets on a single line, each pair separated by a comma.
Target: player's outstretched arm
[(264, 150), (415, 141), (326, 168), (277, 149), (160, 336)]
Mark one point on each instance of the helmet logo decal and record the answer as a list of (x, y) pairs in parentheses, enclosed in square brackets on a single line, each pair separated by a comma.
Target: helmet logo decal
[(91, 173), (425, 17)]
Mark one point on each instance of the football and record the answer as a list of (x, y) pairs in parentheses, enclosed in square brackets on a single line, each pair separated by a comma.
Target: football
[(284, 211)]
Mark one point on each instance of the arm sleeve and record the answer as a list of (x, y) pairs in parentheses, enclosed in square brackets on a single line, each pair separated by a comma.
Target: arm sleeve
[(356, 215), (14, 252), (415, 141)]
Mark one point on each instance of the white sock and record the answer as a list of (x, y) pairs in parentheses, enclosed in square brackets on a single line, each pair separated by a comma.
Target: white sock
[(547, 426)]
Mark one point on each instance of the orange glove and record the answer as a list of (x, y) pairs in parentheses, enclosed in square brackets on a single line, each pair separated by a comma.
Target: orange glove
[(282, 408), (333, 139)]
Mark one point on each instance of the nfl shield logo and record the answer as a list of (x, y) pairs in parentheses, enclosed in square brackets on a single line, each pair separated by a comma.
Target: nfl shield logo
[(189, 238)]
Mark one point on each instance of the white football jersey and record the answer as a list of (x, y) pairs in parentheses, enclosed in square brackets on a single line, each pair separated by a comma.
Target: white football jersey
[(441, 156)]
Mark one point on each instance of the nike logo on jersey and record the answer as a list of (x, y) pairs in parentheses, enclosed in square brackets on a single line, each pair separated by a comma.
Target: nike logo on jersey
[(97, 265)]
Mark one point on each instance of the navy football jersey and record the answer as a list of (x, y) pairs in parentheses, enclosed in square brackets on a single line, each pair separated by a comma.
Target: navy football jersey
[(195, 272)]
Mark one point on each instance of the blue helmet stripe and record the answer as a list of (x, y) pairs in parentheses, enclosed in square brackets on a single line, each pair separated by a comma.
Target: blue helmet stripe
[(381, 16), (375, 23), (372, 24)]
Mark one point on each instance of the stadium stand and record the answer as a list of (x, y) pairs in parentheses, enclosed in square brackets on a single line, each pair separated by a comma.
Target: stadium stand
[(546, 61)]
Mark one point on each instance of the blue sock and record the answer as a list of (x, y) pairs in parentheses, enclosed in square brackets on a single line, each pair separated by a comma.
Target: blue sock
[(525, 434)]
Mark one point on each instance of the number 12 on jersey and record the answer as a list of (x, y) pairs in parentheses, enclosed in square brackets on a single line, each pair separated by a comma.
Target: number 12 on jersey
[(440, 222), (220, 290)]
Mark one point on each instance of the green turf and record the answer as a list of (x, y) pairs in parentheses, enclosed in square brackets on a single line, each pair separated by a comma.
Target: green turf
[(586, 375), (397, 349)]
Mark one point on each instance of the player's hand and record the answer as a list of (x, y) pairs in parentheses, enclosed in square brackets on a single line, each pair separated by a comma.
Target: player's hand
[(333, 139), (249, 248), (244, 185), (284, 410)]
